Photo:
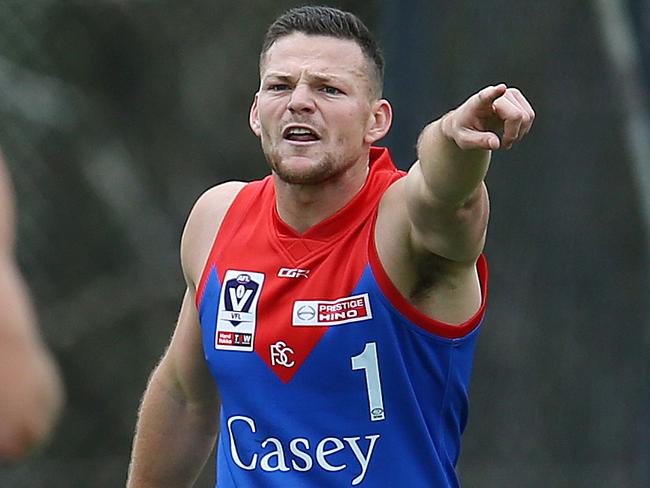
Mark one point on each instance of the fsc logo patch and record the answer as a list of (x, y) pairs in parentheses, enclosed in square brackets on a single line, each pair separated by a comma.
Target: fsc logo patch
[(237, 314)]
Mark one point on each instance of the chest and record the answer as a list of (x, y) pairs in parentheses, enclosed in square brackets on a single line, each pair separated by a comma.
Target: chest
[(277, 296)]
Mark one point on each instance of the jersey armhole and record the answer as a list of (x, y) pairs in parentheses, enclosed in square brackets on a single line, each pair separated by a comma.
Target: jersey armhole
[(408, 310)]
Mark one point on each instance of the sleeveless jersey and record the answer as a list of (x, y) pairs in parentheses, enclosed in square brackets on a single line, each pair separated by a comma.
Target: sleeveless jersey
[(328, 376)]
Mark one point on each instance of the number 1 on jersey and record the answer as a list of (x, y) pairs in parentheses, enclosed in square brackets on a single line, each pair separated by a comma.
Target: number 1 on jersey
[(367, 361)]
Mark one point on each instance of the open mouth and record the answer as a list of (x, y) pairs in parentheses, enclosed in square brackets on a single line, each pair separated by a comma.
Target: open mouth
[(300, 133)]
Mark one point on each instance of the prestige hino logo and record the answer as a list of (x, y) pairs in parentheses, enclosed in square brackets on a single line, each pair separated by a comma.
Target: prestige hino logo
[(249, 452), (326, 313)]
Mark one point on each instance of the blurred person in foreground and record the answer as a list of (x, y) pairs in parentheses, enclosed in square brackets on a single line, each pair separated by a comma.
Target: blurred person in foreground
[(31, 392), (327, 332)]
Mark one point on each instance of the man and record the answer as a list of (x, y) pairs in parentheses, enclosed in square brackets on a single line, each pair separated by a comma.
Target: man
[(338, 307), (31, 394)]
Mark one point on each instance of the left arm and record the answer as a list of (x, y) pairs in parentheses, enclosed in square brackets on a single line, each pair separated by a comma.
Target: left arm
[(431, 225), (445, 195)]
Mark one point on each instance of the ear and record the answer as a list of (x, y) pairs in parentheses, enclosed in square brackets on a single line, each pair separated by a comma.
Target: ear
[(253, 118), (381, 118)]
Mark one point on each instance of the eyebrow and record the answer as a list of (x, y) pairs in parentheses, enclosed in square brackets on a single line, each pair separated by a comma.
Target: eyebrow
[(319, 77)]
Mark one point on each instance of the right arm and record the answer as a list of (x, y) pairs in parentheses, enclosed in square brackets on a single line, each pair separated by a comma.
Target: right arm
[(179, 415)]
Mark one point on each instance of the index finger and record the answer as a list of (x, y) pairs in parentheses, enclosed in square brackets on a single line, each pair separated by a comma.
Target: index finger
[(489, 94)]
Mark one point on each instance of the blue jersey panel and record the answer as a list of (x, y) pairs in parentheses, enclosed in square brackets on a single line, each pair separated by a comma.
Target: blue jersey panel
[(377, 403)]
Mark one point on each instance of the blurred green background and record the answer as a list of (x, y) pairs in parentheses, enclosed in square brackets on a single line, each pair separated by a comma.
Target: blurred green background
[(116, 114)]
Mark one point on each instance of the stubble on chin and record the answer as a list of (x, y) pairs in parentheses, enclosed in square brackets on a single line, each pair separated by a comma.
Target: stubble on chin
[(318, 171)]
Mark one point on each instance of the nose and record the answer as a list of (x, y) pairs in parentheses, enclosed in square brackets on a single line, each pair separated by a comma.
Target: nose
[(301, 100)]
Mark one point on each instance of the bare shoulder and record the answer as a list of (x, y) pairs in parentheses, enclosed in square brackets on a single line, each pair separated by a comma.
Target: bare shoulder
[(202, 226)]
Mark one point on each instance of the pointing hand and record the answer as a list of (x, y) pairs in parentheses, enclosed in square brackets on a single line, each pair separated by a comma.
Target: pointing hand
[(495, 117)]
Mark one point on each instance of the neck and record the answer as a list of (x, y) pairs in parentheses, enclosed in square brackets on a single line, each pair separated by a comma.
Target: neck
[(303, 206)]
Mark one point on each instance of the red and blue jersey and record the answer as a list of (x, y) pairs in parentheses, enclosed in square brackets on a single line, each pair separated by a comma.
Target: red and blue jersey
[(328, 376)]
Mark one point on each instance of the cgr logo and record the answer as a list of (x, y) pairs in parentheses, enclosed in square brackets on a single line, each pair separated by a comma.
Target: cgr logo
[(293, 273)]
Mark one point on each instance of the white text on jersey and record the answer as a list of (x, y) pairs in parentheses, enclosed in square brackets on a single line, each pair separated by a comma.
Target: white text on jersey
[(293, 273), (301, 458)]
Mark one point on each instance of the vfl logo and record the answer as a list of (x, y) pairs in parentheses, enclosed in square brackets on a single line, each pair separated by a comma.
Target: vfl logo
[(293, 273), (239, 297), (237, 314), (280, 354)]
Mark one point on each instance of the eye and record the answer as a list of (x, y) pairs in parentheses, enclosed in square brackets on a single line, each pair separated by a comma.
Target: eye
[(330, 90), (278, 87)]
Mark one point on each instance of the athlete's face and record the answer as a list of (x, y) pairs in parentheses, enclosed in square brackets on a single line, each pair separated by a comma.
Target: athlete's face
[(314, 112)]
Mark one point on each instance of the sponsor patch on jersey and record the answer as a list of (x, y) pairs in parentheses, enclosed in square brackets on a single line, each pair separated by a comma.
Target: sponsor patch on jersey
[(293, 273), (324, 313), (237, 315)]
